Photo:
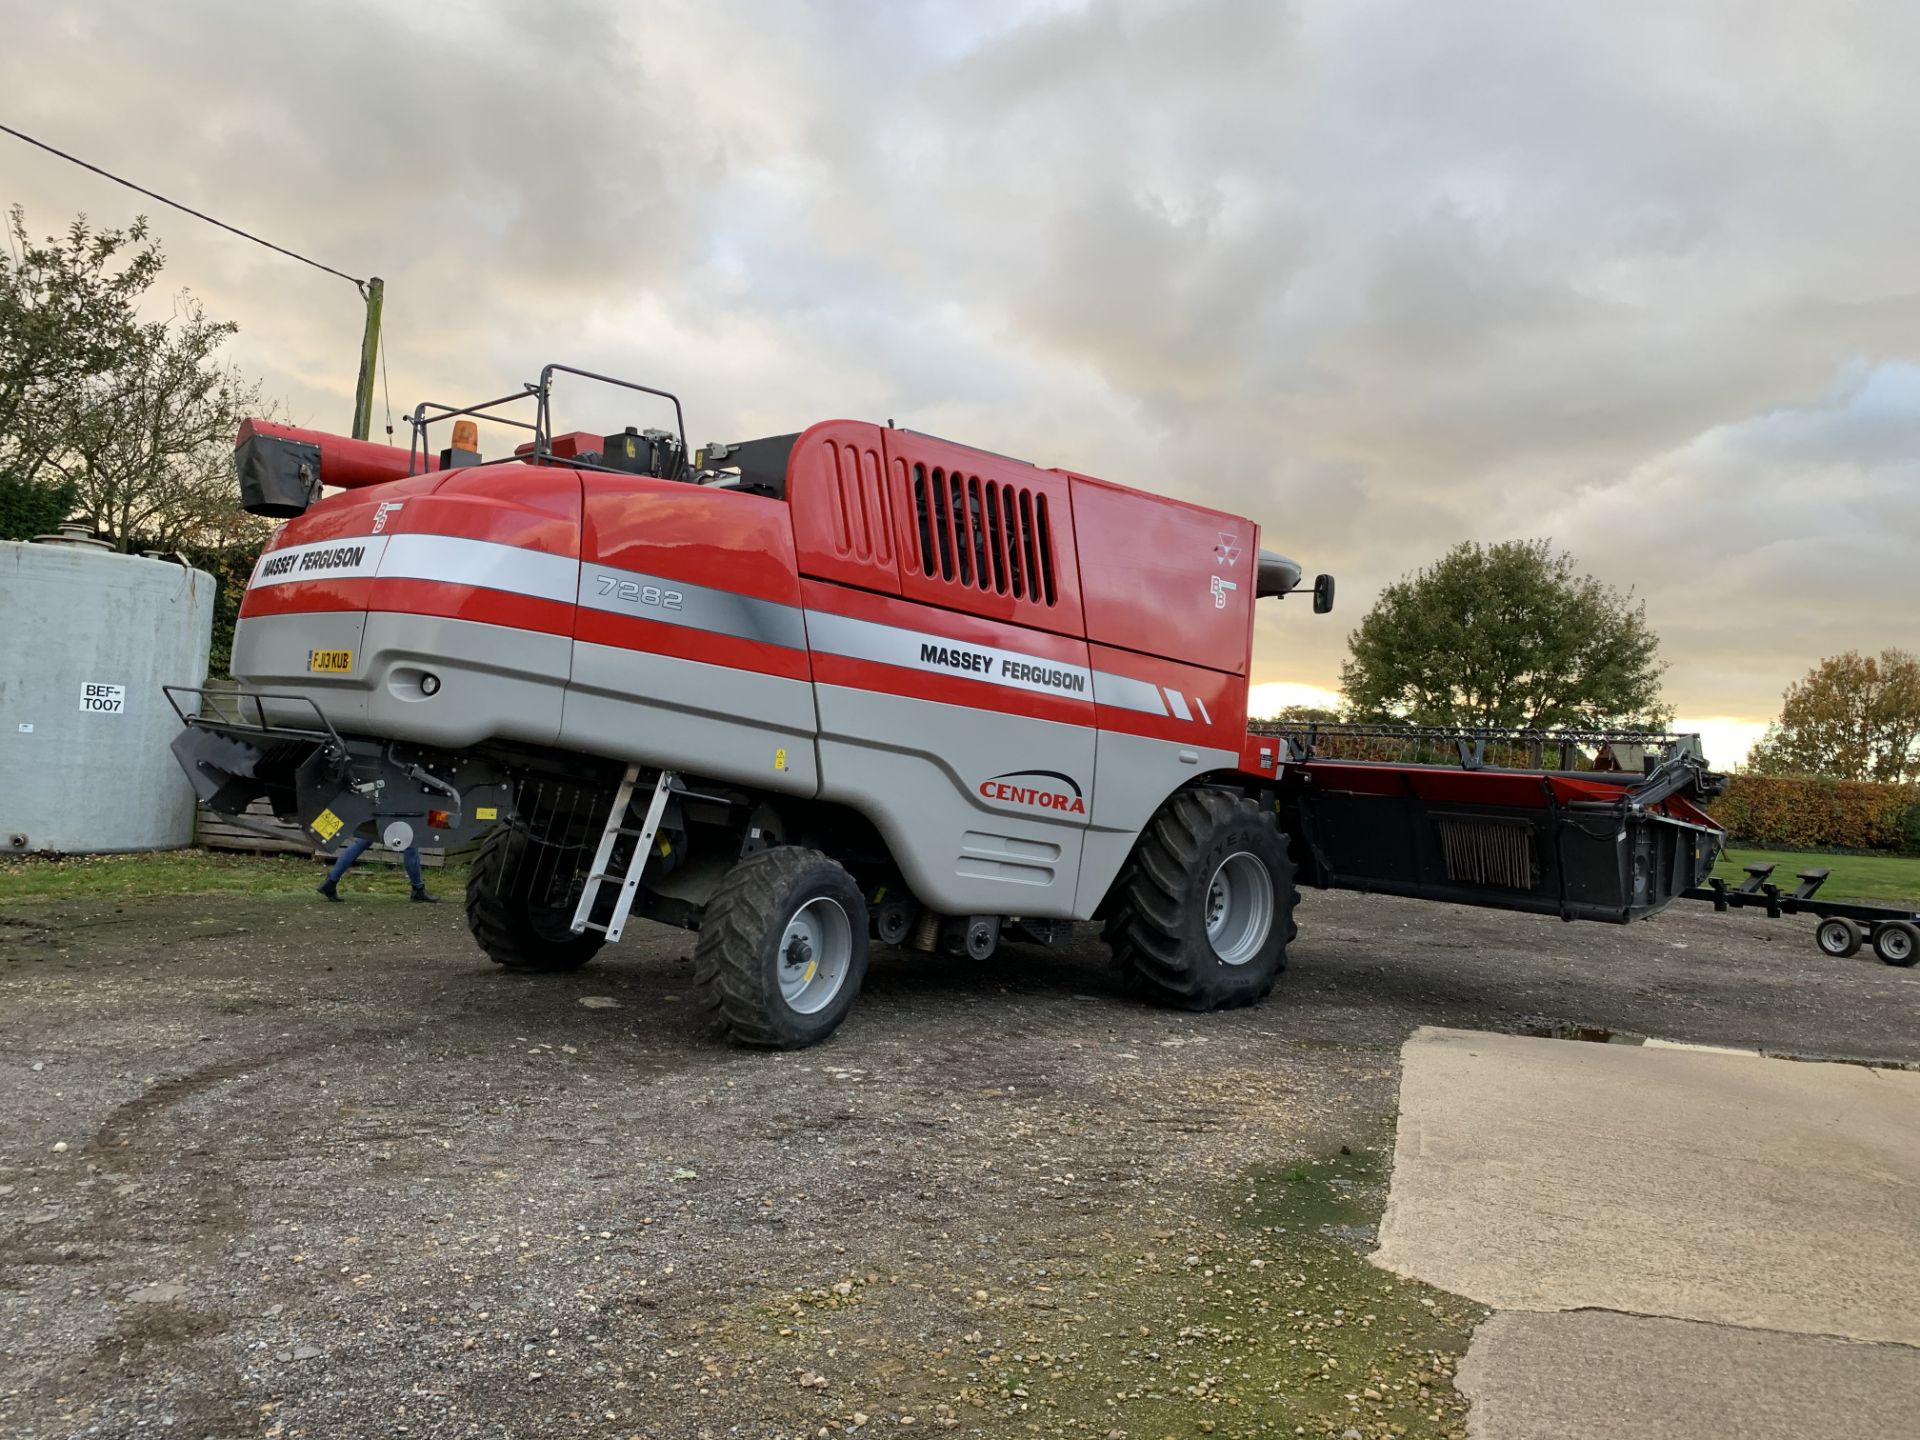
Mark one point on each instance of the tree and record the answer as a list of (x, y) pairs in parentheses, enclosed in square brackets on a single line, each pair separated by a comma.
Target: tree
[(29, 508), (1853, 717), (1302, 715), (127, 423), (231, 566), (150, 446), (66, 312), (1505, 635)]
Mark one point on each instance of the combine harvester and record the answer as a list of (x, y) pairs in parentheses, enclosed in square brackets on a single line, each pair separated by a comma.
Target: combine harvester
[(856, 682)]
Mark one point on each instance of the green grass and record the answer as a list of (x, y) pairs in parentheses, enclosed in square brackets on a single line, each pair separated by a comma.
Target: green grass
[(1894, 879), (195, 872)]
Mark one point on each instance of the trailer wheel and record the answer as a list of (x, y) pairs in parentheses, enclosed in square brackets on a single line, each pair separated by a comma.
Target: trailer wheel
[(1837, 936), (517, 930), (1204, 909), (1897, 943), (783, 949)]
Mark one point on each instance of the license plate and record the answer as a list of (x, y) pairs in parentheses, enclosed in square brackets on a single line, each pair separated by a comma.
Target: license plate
[(329, 662)]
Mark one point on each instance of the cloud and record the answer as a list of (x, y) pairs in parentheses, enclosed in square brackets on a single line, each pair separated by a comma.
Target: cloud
[(1383, 276), (1770, 541)]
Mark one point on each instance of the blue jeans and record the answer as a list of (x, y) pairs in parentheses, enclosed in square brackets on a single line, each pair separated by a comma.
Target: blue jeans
[(410, 857)]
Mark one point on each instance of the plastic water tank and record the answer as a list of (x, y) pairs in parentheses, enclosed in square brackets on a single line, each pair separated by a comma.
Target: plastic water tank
[(87, 638)]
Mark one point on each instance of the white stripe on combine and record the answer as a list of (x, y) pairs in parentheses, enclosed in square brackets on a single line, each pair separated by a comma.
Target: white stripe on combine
[(487, 564), (1203, 709), (1179, 703), (944, 655), (1123, 692)]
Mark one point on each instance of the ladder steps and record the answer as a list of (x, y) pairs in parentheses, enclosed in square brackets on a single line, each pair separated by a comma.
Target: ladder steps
[(614, 832)]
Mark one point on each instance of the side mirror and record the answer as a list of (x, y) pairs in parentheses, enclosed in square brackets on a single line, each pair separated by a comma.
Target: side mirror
[(1322, 594)]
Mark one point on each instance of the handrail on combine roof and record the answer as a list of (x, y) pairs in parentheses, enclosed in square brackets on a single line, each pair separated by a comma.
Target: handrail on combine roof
[(432, 412), (543, 435)]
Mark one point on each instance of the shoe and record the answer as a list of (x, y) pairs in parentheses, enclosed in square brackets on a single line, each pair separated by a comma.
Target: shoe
[(420, 897), (325, 887)]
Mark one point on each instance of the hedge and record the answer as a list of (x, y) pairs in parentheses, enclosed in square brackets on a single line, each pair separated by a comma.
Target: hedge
[(1775, 812)]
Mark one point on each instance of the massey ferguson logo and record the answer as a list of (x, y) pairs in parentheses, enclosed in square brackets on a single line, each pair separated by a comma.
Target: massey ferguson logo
[(1039, 789), (337, 557)]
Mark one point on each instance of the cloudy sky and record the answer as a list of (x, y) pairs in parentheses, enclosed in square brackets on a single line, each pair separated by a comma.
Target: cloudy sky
[(1384, 276)]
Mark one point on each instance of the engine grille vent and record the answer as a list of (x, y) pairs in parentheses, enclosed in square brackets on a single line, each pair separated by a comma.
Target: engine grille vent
[(1482, 851), (984, 534)]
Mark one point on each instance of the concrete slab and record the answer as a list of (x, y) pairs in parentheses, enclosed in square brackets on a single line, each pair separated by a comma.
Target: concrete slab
[(1577, 1374), (1555, 1175), (1656, 1043)]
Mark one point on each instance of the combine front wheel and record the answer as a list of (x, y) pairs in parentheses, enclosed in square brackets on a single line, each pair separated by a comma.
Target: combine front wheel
[(783, 949), (517, 927), (1205, 906)]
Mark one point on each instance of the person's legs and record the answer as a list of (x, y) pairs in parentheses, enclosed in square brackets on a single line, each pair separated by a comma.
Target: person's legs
[(344, 863), (410, 857)]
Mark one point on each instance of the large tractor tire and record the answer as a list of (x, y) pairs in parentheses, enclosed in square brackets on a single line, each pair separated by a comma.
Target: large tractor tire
[(1204, 908), (516, 929), (783, 949)]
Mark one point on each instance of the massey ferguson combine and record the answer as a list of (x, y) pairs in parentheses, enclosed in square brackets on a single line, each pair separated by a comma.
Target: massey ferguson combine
[(851, 684)]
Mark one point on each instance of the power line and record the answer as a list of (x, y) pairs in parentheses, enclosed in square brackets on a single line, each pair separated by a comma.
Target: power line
[(360, 285)]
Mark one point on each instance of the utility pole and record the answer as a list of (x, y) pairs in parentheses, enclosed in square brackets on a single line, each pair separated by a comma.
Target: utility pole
[(376, 292)]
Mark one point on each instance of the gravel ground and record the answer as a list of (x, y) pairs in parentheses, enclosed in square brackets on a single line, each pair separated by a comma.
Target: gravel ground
[(275, 1168)]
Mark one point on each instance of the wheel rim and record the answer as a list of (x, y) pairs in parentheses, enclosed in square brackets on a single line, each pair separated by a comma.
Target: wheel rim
[(1896, 944), (552, 923), (1239, 908), (1833, 939), (816, 951)]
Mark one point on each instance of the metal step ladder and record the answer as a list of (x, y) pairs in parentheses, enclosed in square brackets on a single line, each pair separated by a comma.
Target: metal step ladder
[(603, 857)]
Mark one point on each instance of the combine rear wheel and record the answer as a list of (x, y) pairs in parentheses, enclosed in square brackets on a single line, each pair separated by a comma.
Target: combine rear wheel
[(1204, 909), (518, 928), (783, 949)]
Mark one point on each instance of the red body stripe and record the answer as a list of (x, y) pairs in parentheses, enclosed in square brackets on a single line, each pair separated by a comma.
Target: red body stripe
[(308, 596), (627, 632), (1224, 697), (467, 602)]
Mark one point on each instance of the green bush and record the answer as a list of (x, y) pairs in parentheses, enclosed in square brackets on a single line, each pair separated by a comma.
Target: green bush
[(29, 508), (1809, 813)]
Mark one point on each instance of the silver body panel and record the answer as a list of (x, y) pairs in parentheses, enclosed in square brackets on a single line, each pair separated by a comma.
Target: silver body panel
[(915, 768), (737, 725), (984, 812)]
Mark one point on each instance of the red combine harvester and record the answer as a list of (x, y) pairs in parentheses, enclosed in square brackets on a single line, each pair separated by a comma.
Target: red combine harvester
[(851, 683)]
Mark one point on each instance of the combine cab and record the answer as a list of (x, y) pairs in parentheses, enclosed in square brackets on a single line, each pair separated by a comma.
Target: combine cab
[(845, 684)]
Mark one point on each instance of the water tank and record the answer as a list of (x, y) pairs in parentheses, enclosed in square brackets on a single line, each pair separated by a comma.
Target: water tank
[(87, 638)]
